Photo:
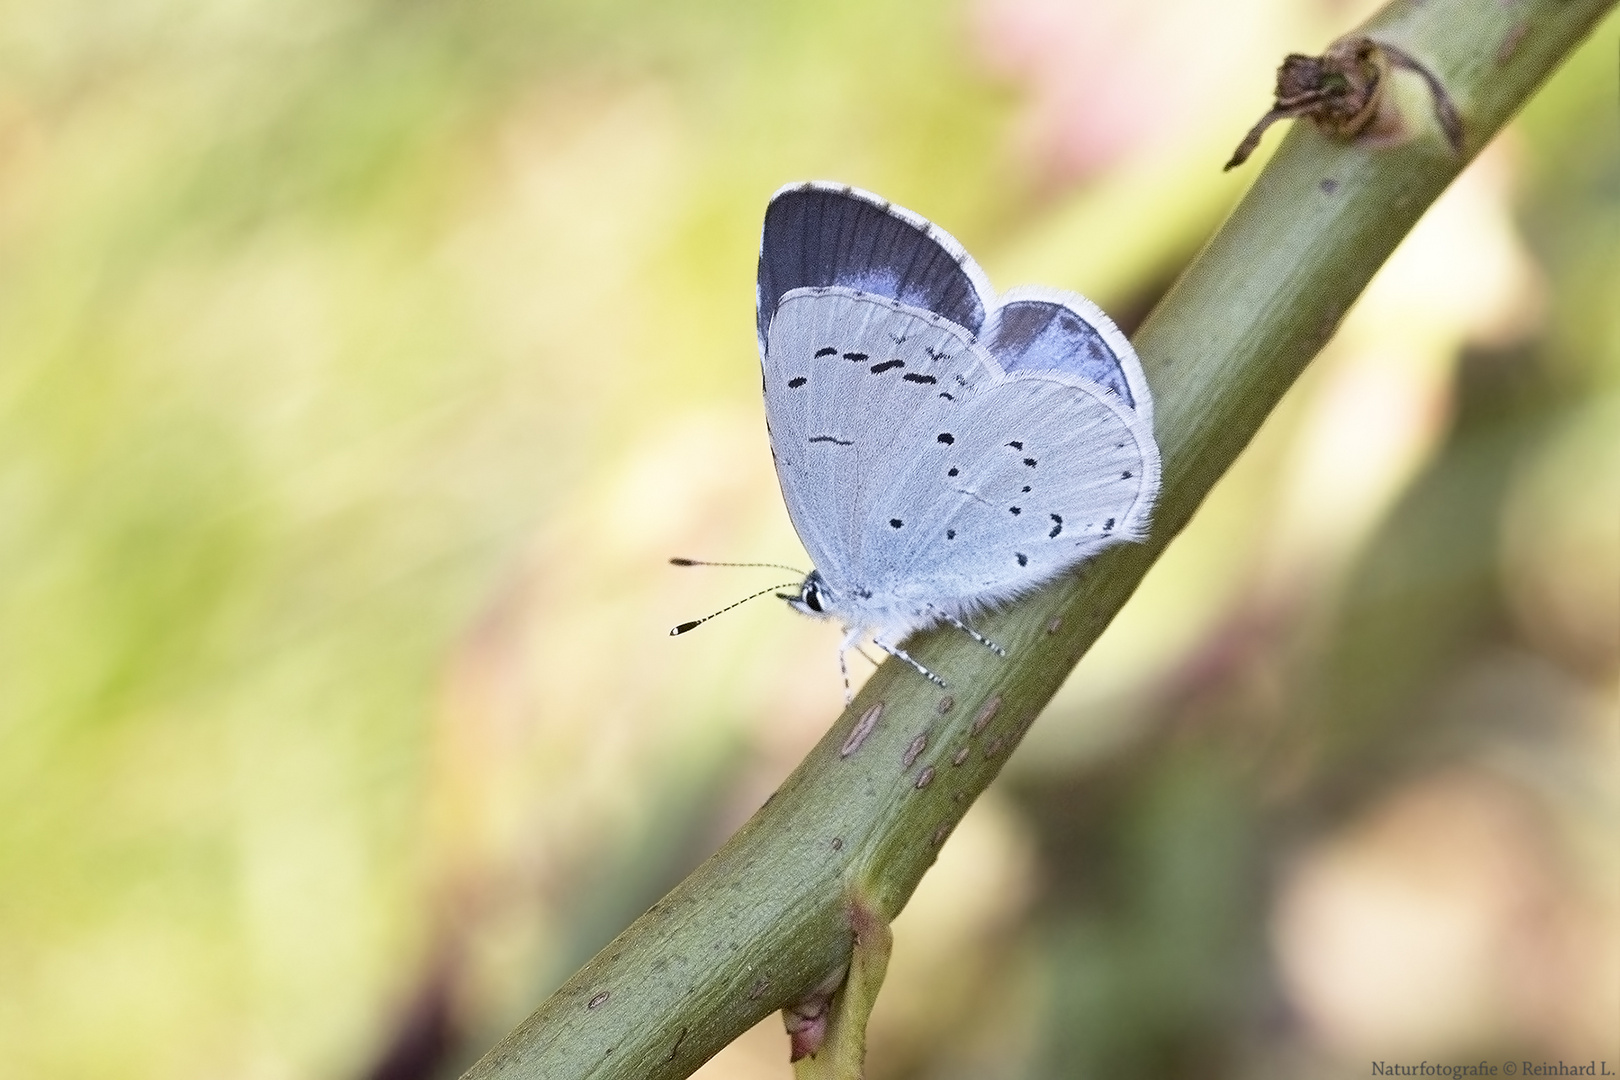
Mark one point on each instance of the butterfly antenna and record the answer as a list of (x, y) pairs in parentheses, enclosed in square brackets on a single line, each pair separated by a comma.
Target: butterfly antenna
[(701, 562), (695, 623)]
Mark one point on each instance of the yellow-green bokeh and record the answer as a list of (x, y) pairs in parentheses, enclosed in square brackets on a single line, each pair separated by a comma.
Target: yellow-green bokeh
[(362, 362)]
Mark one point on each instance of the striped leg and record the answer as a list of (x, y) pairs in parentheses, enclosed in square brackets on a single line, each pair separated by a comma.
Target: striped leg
[(903, 655), (970, 632)]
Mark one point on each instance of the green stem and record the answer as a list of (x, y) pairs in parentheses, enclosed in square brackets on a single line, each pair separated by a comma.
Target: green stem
[(765, 921)]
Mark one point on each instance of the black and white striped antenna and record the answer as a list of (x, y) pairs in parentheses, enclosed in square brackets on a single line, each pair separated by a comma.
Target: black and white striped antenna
[(695, 623)]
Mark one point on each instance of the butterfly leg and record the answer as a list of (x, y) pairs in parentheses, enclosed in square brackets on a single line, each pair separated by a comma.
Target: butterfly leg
[(851, 641), (901, 654), (969, 631)]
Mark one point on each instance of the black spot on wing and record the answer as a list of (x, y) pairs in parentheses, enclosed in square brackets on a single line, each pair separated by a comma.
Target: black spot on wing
[(887, 365), (945, 437), (1039, 335), (798, 382), (827, 351), (912, 376), (1023, 560), (1057, 525), (831, 439), (814, 237), (856, 357)]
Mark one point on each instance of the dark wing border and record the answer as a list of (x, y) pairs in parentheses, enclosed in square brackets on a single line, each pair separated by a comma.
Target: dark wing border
[(818, 234)]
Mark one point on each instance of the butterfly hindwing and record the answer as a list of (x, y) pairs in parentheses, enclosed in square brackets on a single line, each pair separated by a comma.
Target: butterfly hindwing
[(1040, 329), (1043, 471)]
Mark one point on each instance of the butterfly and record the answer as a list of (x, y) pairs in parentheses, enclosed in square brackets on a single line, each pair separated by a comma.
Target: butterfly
[(941, 449)]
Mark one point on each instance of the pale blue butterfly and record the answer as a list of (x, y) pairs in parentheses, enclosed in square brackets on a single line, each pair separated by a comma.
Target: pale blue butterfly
[(941, 449)]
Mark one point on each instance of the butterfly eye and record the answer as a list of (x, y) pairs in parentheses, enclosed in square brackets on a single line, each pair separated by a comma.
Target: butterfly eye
[(812, 596)]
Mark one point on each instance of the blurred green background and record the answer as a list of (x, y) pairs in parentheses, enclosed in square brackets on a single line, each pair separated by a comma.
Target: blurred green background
[(362, 362)]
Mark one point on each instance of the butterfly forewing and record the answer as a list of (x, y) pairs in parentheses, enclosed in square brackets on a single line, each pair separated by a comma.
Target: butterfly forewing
[(850, 380)]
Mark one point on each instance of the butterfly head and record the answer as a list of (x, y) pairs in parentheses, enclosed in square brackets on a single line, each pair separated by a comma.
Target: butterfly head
[(814, 597)]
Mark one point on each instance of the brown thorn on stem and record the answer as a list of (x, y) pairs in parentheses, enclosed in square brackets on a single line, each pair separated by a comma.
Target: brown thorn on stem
[(1252, 139), (1445, 110), (1343, 92)]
